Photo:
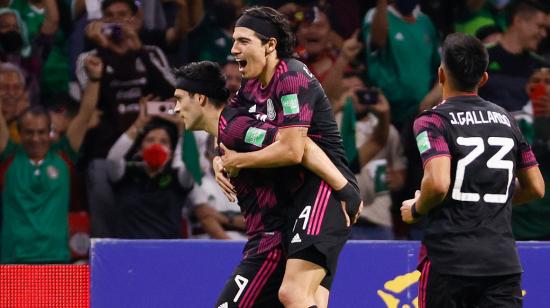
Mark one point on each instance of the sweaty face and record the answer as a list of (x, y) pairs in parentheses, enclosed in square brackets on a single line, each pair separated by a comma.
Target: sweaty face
[(189, 109), (35, 135), (314, 36), (249, 52)]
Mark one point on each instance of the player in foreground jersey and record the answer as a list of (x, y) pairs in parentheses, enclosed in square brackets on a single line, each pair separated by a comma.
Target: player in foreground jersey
[(476, 165), (201, 97), (284, 91)]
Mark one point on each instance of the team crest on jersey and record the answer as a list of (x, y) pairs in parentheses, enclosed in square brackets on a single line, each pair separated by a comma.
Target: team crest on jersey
[(53, 173), (255, 136), (290, 104), (270, 110)]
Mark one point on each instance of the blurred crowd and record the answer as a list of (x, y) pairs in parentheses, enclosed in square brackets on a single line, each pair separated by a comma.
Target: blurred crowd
[(89, 146)]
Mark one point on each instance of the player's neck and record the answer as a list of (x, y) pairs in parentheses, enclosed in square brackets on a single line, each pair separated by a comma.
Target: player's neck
[(511, 42), (212, 121), (448, 93), (269, 70)]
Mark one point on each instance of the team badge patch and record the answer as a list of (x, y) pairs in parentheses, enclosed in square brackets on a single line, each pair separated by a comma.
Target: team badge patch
[(290, 104), (255, 136), (423, 142)]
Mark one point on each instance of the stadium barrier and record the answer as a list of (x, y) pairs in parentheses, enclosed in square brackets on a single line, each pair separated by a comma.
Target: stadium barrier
[(191, 273)]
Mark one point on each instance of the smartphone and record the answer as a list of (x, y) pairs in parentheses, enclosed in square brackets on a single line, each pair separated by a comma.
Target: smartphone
[(156, 108), (367, 96)]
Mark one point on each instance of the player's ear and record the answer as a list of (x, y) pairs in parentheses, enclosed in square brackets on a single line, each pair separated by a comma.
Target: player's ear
[(483, 80), (202, 99), (271, 45), (441, 75)]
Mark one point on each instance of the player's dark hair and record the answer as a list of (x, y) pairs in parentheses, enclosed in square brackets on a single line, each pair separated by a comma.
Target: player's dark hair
[(37, 111), (210, 75), (131, 4), (524, 8), (465, 59), (285, 39)]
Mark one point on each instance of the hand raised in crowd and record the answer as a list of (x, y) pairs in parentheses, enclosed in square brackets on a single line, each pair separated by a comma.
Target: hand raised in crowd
[(142, 119), (94, 31), (94, 67), (131, 37), (351, 47), (382, 106)]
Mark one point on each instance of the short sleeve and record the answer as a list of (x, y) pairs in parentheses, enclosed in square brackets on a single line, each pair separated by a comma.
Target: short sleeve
[(245, 133), (296, 98), (9, 150), (430, 137), (64, 146)]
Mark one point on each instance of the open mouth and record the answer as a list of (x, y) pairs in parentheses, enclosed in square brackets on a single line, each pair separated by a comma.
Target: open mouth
[(242, 64)]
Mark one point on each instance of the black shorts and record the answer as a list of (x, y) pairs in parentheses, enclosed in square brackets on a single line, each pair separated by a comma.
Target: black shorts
[(317, 226), (453, 291), (255, 282)]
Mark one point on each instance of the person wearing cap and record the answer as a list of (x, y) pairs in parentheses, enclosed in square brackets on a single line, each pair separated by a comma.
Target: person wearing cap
[(285, 93)]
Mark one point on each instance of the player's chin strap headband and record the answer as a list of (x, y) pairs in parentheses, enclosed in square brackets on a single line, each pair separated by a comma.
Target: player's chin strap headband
[(259, 25), (204, 87)]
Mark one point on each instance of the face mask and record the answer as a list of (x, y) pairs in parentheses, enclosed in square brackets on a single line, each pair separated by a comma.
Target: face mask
[(155, 156), (406, 7), (10, 41)]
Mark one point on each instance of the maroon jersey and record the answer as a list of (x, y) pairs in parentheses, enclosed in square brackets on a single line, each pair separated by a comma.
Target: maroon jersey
[(294, 97), (260, 201), (470, 233)]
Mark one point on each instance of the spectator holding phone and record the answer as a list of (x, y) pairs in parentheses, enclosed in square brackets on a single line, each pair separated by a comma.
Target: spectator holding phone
[(374, 150), (530, 221)]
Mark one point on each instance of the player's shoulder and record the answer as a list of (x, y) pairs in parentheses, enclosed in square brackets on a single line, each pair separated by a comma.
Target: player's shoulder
[(294, 67)]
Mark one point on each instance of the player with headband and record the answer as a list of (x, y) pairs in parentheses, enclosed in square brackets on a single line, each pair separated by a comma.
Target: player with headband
[(287, 95)]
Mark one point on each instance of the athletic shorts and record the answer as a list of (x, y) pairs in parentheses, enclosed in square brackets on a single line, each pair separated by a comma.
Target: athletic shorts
[(317, 226), (255, 282), (453, 291)]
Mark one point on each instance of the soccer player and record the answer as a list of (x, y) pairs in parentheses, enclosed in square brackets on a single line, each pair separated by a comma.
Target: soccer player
[(476, 165), (201, 97), (285, 92)]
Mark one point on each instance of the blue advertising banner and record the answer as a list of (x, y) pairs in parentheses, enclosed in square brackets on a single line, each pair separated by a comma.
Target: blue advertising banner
[(191, 273)]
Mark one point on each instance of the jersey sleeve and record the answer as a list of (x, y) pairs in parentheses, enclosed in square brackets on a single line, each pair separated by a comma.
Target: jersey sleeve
[(296, 98), (245, 133), (525, 156), (430, 137)]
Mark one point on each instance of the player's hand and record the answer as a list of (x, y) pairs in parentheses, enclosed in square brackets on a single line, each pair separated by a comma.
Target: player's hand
[(229, 161), (351, 203), (406, 212), (224, 183)]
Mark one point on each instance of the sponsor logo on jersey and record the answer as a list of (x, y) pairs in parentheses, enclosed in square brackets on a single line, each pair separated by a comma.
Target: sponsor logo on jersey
[(296, 239), (423, 142), (290, 104), (252, 109), (255, 136)]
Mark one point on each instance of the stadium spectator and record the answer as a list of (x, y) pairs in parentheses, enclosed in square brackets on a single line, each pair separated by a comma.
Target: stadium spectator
[(17, 49), (378, 162), (211, 40), (35, 181), (317, 49), (512, 59), (232, 76), (45, 17), (13, 96)]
